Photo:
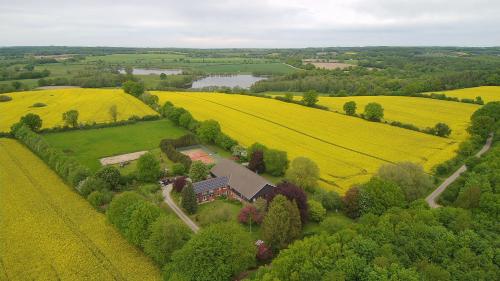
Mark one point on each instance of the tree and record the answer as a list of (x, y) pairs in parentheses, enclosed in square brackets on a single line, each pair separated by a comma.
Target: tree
[(148, 168), (138, 230), (178, 169), (166, 236), (185, 119), (208, 131), (482, 126), (249, 215), (110, 175), (189, 201), (442, 130), (316, 211), (255, 147), (350, 108), (33, 121), (70, 118), (163, 76), (288, 97), (276, 162), (120, 209), (198, 171), (133, 88), (303, 172), (99, 198), (113, 112), (292, 193), (351, 202), (217, 253), (374, 111), (279, 228), (91, 184), (377, 196), (330, 200), (470, 193), (410, 177), (256, 163), (179, 183), (310, 98)]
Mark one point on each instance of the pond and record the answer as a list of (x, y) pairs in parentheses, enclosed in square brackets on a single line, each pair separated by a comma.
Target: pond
[(145, 71), (240, 80)]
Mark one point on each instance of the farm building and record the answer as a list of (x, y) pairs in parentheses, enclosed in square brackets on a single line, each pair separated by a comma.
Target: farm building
[(232, 180)]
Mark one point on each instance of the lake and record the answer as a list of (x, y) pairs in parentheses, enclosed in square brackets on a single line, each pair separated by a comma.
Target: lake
[(240, 80), (144, 71)]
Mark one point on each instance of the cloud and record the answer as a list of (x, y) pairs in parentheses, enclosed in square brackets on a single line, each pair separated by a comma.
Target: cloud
[(256, 23)]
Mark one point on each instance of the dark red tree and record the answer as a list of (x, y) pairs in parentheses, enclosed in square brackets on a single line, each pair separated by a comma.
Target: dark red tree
[(351, 202), (249, 212), (179, 183), (256, 163), (292, 192)]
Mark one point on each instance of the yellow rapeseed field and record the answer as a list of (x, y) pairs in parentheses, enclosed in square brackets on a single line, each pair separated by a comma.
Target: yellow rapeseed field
[(48, 232), (420, 112), (92, 105), (487, 93), (348, 150)]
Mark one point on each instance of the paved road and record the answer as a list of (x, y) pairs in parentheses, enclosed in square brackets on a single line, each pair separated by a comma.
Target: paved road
[(431, 199), (166, 193)]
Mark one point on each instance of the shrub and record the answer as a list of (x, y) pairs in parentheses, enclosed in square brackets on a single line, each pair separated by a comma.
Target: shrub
[(4, 98), (121, 208), (330, 200), (39, 104), (316, 211), (33, 121), (442, 130), (138, 228), (198, 171), (178, 169), (99, 198), (133, 88), (110, 175), (189, 201), (91, 184), (208, 131), (249, 214)]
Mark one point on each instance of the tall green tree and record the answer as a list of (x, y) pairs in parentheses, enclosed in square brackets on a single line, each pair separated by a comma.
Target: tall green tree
[(310, 98), (410, 177), (189, 201), (70, 118), (133, 88), (374, 111), (282, 223), (442, 129), (217, 253), (167, 236), (148, 168), (198, 171), (276, 162), (141, 218), (350, 108), (303, 172), (110, 175), (208, 131), (113, 112), (120, 209), (33, 121), (377, 196)]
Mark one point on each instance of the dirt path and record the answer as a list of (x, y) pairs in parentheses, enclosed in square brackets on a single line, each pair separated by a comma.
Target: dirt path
[(431, 199), (294, 67), (168, 199)]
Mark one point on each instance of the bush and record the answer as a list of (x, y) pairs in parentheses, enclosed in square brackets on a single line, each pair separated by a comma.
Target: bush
[(350, 108), (179, 183), (276, 162), (138, 228), (442, 130), (198, 172), (208, 131), (316, 211), (121, 208), (99, 198), (39, 104), (249, 214), (178, 169), (91, 184), (330, 200), (110, 175), (133, 88), (4, 98), (33, 121)]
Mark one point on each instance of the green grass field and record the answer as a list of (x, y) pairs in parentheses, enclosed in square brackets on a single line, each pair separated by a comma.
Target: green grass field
[(90, 145)]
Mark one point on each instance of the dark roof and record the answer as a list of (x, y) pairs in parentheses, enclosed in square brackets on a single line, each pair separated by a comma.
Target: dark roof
[(246, 182), (210, 184)]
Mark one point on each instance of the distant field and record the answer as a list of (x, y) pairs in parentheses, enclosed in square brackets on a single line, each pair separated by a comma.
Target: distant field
[(348, 150), (90, 145), (420, 112), (92, 104), (487, 93), (48, 232)]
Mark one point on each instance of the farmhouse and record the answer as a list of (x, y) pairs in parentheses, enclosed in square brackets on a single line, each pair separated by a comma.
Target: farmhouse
[(232, 180)]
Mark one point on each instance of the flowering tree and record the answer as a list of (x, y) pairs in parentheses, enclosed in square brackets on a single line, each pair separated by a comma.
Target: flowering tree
[(249, 215)]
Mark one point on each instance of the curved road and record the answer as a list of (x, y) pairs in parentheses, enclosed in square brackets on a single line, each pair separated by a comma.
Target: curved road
[(431, 199), (166, 193)]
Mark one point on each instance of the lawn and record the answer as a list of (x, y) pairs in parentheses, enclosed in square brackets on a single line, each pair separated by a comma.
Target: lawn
[(49, 232), (92, 104), (88, 146), (347, 150)]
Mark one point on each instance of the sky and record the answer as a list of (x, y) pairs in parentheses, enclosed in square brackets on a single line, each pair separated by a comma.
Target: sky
[(250, 23)]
